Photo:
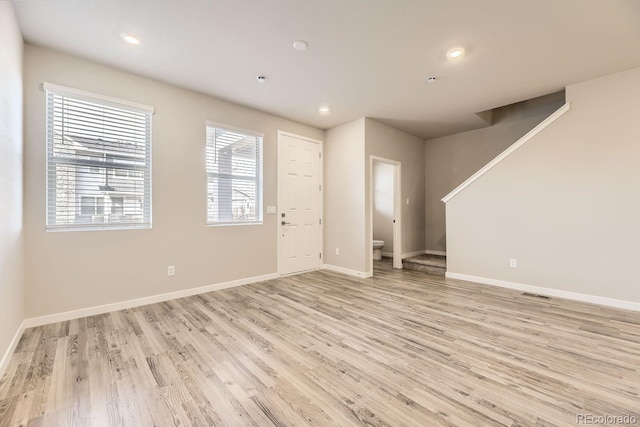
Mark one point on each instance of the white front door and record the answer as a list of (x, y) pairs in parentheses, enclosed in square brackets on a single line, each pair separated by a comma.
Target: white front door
[(299, 204)]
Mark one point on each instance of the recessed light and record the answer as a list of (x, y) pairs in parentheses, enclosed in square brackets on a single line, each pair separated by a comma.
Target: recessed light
[(261, 79), (130, 38), (455, 53), (324, 109), (300, 45)]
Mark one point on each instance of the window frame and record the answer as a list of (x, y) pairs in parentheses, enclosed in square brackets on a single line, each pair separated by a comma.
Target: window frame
[(96, 206), (105, 101), (259, 176)]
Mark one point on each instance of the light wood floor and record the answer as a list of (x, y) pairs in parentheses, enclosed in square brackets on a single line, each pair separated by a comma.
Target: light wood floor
[(322, 349)]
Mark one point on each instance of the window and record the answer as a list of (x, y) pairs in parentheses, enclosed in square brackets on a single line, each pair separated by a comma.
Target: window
[(98, 161), (234, 176), (91, 205), (117, 205)]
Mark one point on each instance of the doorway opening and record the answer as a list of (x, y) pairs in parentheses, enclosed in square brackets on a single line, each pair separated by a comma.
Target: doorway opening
[(385, 237)]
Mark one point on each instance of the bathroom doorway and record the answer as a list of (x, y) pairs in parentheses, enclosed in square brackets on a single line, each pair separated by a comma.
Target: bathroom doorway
[(385, 211)]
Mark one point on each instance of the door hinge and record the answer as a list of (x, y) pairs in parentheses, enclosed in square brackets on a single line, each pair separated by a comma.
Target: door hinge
[(320, 187), (320, 221), (320, 255), (319, 155)]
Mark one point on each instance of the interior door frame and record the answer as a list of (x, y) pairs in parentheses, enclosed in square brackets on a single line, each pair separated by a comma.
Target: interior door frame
[(397, 210), (320, 194)]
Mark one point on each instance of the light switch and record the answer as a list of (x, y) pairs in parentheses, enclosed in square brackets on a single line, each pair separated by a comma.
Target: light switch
[(271, 209)]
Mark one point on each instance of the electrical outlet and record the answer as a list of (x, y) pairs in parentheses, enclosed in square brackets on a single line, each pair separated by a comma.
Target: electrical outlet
[(171, 270), (513, 263), (337, 251)]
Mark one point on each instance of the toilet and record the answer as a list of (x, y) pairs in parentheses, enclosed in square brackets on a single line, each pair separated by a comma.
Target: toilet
[(377, 249)]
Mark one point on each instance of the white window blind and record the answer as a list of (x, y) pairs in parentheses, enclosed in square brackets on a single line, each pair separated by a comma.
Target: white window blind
[(98, 162), (234, 176)]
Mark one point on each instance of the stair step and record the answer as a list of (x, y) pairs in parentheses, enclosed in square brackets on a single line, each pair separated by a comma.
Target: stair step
[(432, 260), (433, 264)]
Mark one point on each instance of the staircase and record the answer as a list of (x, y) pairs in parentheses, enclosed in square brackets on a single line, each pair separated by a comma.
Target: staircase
[(432, 264)]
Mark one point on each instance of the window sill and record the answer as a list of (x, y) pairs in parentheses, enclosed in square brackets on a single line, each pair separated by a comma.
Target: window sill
[(231, 224), (114, 228)]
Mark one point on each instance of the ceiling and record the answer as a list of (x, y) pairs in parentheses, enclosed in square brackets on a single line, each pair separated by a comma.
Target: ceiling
[(366, 58)]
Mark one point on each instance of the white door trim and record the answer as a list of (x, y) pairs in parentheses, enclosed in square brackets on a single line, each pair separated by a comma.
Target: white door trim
[(305, 138), (321, 195), (397, 209)]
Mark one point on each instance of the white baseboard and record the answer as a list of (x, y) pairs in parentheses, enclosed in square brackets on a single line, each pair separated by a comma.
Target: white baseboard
[(416, 253), (387, 254), (4, 362), (100, 309), (347, 271), (593, 299)]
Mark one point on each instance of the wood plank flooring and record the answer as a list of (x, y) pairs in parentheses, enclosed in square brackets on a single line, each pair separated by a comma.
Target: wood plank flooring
[(322, 349)]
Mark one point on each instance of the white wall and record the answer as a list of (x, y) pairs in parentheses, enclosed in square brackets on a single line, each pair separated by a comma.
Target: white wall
[(73, 270), (344, 197), (450, 160), (389, 143), (383, 183), (565, 205), (12, 311), (348, 149)]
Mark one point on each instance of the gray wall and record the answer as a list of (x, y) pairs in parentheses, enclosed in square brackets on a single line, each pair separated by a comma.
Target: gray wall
[(11, 231), (389, 143), (383, 185), (73, 270), (348, 149), (566, 204), (450, 160), (344, 199)]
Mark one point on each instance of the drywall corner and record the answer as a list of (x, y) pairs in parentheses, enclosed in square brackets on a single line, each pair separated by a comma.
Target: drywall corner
[(12, 303), (344, 196)]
